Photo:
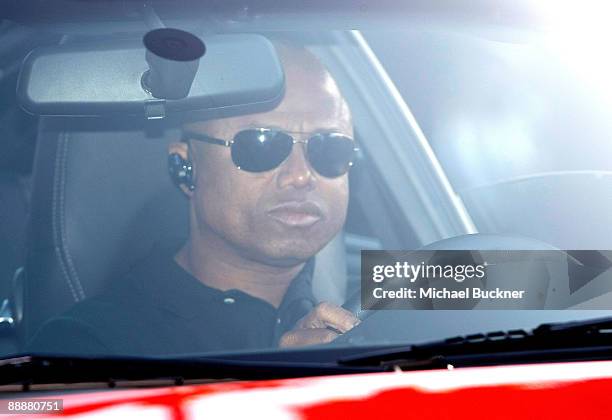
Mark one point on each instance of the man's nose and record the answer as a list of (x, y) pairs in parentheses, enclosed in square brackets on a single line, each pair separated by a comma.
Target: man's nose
[(295, 171)]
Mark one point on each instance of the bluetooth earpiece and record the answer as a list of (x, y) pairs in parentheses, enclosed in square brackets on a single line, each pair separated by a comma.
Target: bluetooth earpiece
[(181, 171)]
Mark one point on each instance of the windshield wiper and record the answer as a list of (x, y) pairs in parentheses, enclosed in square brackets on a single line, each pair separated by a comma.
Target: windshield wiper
[(40, 369), (555, 342), (572, 341)]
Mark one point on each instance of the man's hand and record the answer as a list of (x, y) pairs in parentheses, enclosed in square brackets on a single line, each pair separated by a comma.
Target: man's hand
[(323, 324)]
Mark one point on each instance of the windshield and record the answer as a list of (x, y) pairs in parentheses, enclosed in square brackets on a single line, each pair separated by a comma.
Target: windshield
[(176, 184)]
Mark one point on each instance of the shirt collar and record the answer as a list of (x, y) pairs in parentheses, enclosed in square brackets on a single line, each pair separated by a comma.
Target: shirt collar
[(174, 289)]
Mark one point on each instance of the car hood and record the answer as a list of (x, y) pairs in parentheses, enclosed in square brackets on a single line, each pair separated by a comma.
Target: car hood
[(537, 391)]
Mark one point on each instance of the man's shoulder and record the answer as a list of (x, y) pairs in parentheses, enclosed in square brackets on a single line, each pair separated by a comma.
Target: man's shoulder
[(131, 295), (105, 323), (119, 305)]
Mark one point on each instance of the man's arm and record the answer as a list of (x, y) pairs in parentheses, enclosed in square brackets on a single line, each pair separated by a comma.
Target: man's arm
[(322, 325), (68, 336)]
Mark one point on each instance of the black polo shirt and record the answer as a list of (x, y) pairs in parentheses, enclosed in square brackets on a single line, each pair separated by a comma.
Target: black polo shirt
[(161, 309)]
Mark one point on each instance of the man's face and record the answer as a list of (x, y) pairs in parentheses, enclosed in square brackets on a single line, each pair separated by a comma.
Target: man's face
[(285, 215)]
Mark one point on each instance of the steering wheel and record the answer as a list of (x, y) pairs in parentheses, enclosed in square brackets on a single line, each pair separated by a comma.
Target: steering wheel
[(477, 241)]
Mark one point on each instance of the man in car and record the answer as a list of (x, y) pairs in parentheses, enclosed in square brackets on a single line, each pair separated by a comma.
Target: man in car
[(267, 191)]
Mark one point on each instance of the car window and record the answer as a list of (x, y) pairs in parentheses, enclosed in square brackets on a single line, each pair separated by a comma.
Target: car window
[(519, 125), (188, 190)]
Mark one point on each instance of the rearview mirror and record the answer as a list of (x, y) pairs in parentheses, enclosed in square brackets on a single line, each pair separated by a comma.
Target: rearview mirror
[(239, 73)]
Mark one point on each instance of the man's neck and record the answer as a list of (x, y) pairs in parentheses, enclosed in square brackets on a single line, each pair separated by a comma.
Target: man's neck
[(216, 264)]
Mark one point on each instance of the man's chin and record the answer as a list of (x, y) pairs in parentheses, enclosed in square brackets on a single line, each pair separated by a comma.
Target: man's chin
[(288, 253)]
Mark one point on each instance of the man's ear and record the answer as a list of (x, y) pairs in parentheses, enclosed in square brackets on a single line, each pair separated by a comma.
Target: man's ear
[(182, 150)]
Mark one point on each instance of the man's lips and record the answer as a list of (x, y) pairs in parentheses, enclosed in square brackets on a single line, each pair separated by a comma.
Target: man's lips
[(296, 214)]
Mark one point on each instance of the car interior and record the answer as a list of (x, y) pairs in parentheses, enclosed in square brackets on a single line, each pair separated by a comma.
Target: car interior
[(70, 236), (65, 234)]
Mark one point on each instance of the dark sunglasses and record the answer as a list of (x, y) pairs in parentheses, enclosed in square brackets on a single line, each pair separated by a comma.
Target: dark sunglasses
[(263, 149)]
